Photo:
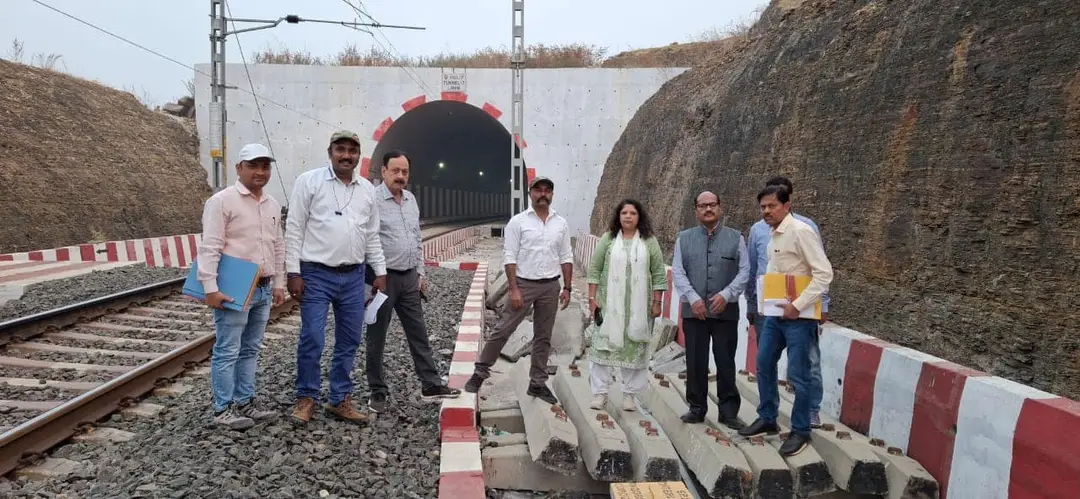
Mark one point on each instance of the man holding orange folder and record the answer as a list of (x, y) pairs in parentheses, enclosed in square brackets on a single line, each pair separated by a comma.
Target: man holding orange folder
[(241, 221), (795, 251)]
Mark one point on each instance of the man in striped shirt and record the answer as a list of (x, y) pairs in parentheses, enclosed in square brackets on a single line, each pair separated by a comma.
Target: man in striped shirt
[(399, 233)]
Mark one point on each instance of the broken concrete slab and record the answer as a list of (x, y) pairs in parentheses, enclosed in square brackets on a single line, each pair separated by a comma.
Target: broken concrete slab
[(664, 332), (853, 465), (520, 342), (103, 434), (907, 478), (512, 468), (669, 355), (498, 392), (568, 335), (718, 465), (553, 439), (497, 289), (509, 420), (654, 459), (809, 471), (50, 468), (773, 479), (603, 444)]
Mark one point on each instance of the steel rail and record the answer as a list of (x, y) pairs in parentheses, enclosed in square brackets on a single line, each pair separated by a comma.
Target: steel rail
[(36, 436)]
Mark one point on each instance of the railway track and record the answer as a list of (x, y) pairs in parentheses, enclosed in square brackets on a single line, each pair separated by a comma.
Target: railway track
[(65, 369)]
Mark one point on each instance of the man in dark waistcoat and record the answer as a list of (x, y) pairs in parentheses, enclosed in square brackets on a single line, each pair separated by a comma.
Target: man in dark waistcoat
[(710, 268)]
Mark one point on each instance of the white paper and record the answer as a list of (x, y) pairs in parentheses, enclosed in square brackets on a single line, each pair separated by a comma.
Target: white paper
[(372, 310)]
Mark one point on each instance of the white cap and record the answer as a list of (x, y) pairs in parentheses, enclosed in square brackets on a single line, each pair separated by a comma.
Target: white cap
[(253, 151)]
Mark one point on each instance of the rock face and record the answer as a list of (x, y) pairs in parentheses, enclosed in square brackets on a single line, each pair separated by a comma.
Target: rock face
[(936, 143), (81, 162)]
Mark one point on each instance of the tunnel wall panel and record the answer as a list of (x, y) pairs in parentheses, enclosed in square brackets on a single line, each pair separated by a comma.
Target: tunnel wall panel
[(572, 118)]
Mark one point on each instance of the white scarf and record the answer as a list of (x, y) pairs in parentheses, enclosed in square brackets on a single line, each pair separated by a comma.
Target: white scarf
[(614, 309)]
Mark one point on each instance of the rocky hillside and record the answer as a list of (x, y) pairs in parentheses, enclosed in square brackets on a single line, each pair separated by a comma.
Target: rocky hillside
[(675, 55), (936, 142), (80, 162)]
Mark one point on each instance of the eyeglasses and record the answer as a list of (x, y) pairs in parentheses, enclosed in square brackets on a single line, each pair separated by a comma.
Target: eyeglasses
[(706, 206)]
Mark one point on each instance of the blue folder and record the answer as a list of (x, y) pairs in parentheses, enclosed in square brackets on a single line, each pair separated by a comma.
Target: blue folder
[(237, 279)]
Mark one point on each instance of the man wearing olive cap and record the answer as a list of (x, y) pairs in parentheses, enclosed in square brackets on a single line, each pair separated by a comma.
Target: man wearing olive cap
[(331, 232), (537, 244)]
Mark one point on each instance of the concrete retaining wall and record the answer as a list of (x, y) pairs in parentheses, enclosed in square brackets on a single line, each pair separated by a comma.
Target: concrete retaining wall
[(572, 116), (980, 436)]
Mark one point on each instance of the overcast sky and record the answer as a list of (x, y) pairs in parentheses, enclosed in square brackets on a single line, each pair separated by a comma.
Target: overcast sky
[(180, 30)]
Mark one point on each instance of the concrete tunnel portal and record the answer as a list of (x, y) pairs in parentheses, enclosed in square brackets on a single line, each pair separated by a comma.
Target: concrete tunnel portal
[(459, 159)]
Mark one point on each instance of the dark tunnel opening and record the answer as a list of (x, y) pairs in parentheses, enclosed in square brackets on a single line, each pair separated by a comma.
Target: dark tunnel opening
[(459, 160)]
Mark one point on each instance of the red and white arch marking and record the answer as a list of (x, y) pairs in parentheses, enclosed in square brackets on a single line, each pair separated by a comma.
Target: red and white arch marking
[(409, 105)]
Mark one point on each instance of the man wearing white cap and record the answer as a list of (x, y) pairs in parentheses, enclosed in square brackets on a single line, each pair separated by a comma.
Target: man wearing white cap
[(242, 221)]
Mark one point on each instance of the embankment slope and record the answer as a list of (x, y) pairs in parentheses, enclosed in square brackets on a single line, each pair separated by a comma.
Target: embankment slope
[(936, 143), (80, 161)]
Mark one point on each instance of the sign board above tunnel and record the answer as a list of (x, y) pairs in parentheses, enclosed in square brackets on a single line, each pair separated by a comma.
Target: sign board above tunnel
[(453, 82)]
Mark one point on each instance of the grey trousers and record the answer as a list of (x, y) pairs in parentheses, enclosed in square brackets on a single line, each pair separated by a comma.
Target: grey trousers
[(544, 297), (402, 295)]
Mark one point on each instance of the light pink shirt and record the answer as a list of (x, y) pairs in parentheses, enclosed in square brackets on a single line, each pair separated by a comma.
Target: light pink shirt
[(237, 224)]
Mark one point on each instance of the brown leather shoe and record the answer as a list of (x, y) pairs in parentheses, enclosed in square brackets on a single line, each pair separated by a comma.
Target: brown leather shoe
[(347, 411), (304, 410)]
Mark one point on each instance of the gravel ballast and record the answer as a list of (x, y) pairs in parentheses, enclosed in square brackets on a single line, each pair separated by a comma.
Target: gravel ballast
[(180, 453), (57, 293)]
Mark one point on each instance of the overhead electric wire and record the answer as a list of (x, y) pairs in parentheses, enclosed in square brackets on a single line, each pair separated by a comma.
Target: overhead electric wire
[(394, 52), (258, 107), (170, 59)]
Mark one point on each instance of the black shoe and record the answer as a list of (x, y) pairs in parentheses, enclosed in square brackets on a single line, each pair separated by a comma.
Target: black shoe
[(794, 444), (439, 392), (377, 402), (473, 385), (731, 422), (760, 427), (543, 393), (692, 417)]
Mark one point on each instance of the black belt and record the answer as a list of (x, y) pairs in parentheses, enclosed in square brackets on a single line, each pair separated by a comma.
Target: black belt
[(399, 272), (540, 281), (341, 269)]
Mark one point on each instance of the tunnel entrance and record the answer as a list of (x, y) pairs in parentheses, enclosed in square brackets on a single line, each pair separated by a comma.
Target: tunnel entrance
[(459, 160)]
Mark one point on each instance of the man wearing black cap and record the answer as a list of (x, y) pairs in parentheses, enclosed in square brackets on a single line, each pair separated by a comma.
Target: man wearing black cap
[(537, 244), (331, 232)]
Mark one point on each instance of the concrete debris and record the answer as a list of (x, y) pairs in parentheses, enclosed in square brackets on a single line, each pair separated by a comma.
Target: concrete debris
[(553, 439), (520, 342), (669, 359), (184, 107), (603, 443)]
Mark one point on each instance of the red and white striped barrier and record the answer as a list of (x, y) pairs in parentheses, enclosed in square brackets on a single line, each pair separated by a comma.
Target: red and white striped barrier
[(452, 243), (164, 251), (181, 250), (461, 471), (980, 436)]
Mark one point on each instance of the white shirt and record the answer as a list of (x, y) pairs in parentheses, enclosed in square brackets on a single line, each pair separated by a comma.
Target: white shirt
[(537, 248), (314, 232)]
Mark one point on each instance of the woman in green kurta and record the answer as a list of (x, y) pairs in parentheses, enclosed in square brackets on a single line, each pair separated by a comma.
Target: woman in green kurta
[(627, 280)]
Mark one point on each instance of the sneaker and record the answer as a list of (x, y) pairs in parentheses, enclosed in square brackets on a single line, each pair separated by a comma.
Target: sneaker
[(542, 392), (346, 411), (304, 410), (439, 392), (794, 444), (250, 411), (628, 403), (760, 427), (230, 419), (815, 420), (473, 385), (598, 401), (377, 403)]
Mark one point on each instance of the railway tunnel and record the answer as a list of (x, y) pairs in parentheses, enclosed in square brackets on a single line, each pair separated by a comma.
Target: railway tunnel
[(460, 160)]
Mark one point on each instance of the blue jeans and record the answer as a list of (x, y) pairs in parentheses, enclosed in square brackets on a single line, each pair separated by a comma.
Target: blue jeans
[(797, 335), (324, 287), (238, 339), (817, 390)]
